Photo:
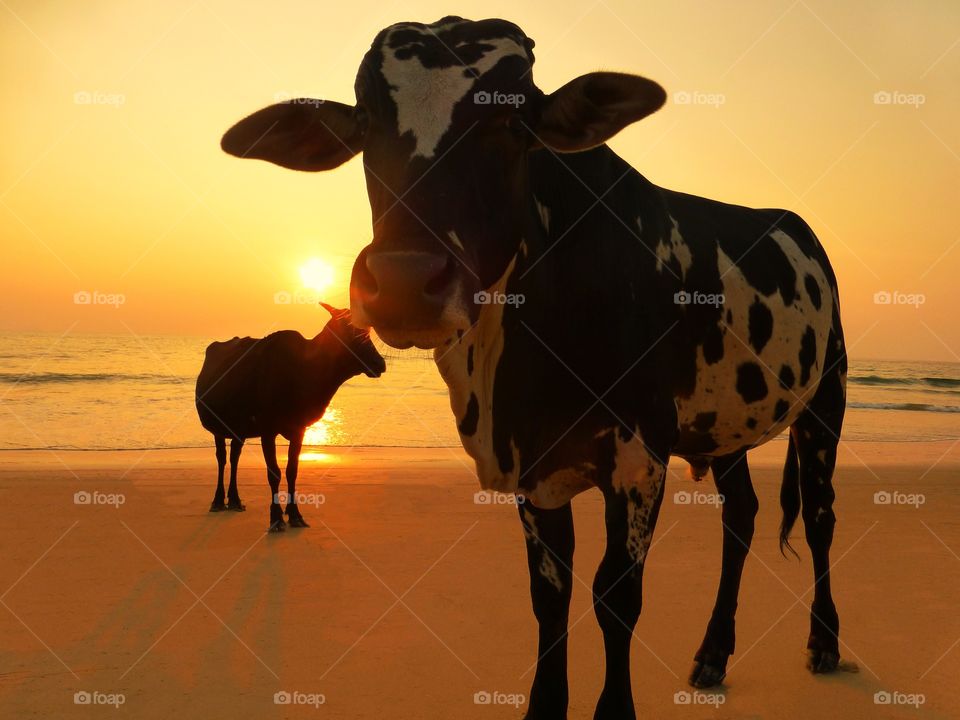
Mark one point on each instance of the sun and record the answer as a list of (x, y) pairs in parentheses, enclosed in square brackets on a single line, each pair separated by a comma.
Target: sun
[(316, 275)]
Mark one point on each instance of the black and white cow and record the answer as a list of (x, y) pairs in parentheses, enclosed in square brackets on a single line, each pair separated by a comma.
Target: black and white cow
[(563, 294)]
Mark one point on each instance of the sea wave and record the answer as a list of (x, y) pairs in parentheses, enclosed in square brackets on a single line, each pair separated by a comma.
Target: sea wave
[(937, 382), (915, 407), (53, 377)]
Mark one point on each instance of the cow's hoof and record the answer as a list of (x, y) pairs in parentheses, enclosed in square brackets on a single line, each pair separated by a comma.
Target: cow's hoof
[(235, 505), (708, 672), (822, 661), (217, 506), (277, 526), (295, 518)]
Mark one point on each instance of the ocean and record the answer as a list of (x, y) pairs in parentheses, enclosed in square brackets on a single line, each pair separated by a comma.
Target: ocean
[(100, 392)]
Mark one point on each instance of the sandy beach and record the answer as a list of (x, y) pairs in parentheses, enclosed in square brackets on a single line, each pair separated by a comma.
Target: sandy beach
[(405, 597)]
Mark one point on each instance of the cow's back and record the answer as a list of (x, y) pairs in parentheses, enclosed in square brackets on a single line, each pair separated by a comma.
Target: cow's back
[(227, 391)]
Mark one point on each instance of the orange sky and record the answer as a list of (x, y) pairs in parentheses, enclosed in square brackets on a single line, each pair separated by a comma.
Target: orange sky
[(112, 180)]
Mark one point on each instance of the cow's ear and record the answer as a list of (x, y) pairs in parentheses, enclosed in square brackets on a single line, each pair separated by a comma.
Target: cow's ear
[(591, 109), (301, 134)]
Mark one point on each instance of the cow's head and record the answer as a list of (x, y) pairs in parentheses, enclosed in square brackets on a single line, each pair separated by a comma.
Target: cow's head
[(445, 116), (352, 343)]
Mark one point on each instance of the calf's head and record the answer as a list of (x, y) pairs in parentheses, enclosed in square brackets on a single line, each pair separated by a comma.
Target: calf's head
[(353, 343), (445, 117)]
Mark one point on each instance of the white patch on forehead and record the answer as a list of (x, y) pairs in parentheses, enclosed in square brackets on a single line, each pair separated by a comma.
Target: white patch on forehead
[(425, 97)]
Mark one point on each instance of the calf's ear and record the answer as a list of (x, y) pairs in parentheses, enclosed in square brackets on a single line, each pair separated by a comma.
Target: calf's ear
[(592, 108), (301, 134)]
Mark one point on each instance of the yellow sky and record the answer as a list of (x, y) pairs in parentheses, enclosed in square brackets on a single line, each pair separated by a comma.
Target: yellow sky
[(112, 180)]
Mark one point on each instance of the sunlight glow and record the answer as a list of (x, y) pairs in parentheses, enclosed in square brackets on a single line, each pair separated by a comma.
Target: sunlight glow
[(316, 275), (320, 457), (323, 430)]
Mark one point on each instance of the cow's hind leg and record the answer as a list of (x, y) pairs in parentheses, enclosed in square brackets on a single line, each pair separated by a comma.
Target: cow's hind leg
[(816, 435), (550, 542), (233, 495), (269, 443), (218, 497), (740, 507), (293, 465), (632, 503), (817, 453)]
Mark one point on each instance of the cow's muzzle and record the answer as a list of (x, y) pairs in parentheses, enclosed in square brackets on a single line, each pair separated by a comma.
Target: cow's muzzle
[(408, 297)]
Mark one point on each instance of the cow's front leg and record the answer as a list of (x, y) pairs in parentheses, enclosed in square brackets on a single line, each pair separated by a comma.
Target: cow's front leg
[(293, 464), (740, 507), (632, 502), (550, 542)]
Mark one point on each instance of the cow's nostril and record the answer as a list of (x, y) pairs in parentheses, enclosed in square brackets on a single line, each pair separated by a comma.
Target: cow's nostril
[(440, 283), (363, 279)]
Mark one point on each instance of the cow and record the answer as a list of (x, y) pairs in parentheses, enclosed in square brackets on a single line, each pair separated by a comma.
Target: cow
[(277, 385), (588, 323)]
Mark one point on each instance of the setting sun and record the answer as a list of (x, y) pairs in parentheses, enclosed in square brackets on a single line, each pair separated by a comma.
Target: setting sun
[(316, 275)]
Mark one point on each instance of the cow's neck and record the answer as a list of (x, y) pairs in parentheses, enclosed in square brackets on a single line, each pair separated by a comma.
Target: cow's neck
[(468, 365), (327, 368)]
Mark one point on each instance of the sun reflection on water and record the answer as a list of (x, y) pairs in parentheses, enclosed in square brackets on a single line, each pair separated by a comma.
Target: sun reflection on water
[(321, 434)]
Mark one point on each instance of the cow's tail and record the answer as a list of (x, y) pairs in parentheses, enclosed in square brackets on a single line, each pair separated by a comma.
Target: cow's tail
[(790, 496)]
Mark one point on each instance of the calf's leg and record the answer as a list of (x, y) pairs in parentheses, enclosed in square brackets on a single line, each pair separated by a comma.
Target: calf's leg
[(233, 495), (740, 507), (269, 443), (550, 542), (221, 448), (293, 464)]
